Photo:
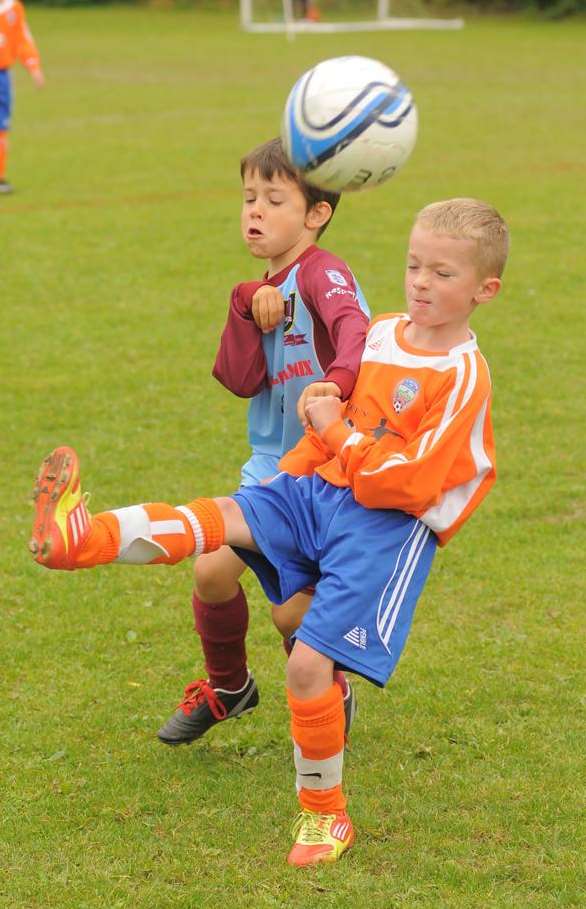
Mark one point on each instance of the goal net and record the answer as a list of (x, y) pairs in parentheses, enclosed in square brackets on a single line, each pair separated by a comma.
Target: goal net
[(328, 16)]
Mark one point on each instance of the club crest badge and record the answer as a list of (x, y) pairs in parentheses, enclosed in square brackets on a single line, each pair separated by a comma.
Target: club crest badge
[(289, 319), (404, 394), (336, 277)]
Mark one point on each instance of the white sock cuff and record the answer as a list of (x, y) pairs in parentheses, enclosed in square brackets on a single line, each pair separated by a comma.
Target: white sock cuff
[(198, 533), (196, 527)]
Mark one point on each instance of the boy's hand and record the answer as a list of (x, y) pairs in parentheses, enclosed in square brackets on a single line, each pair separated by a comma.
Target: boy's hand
[(38, 77), (315, 390), (322, 412), (268, 308)]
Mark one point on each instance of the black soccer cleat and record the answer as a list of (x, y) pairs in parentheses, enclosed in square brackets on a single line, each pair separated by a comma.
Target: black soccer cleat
[(203, 707), (350, 706), (5, 188)]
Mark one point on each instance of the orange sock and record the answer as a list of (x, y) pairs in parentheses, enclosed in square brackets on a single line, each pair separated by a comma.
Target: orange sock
[(208, 529), (3, 153), (317, 727), (154, 533), (103, 543)]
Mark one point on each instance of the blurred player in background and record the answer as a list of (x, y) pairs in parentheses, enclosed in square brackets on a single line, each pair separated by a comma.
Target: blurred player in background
[(16, 43), (305, 9)]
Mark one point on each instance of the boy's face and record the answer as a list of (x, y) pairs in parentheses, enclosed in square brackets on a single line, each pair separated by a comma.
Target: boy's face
[(442, 282), (274, 219)]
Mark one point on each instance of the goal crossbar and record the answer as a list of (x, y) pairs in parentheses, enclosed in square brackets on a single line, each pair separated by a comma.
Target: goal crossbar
[(383, 22)]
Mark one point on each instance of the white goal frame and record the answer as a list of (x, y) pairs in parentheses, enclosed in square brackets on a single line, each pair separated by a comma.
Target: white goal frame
[(383, 22)]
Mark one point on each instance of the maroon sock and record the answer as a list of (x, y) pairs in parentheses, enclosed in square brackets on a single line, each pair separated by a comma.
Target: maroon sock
[(222, 628), (341, 680)]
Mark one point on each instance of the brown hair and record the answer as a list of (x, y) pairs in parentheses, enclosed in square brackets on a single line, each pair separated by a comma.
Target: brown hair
[(269, 159), (471, 219)]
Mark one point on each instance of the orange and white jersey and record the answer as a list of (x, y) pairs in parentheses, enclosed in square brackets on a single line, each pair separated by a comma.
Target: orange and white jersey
[(16, 41), (416, 433)]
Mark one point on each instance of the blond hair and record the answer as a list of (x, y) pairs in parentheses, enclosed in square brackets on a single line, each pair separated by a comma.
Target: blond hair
[(471, 219)]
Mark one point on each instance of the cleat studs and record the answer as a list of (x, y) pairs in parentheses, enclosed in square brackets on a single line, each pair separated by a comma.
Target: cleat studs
[(51, 476), (33, 546), (46, 549)]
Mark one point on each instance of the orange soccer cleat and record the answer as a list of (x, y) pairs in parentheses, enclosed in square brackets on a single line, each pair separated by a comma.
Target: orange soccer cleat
[(320, 837), (62, 521)]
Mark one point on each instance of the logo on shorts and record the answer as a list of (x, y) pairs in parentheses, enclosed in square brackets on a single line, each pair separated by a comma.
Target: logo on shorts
[(336, 277), (404, 394), (357, 636)]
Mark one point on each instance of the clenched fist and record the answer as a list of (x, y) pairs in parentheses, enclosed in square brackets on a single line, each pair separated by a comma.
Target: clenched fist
[(322, 412), (268, 308)]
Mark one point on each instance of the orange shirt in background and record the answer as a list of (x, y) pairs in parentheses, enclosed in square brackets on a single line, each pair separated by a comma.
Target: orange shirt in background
[(16, 41)]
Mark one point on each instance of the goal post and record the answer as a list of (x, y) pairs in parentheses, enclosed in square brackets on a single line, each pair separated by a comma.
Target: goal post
[(285, 21)]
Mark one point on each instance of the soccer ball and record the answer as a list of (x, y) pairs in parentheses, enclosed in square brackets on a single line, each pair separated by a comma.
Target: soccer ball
[(349, 123)]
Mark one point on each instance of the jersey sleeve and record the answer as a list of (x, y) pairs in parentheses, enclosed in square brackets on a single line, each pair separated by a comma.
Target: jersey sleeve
[(240, 363), (26, 48), (440, 474), (329, 291), (309, 453)]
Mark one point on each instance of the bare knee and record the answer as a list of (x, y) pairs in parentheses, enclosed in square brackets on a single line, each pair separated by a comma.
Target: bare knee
[(309, 673), (216, 575), (237, 532)]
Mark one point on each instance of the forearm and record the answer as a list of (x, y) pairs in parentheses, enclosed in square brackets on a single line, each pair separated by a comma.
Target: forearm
[(349, 335), (240, 363)]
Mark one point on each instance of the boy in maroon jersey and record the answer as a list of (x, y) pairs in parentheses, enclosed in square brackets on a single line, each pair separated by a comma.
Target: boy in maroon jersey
[(298, 332)]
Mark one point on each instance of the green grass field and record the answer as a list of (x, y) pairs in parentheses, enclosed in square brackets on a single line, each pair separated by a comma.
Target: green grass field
[(117, 255)]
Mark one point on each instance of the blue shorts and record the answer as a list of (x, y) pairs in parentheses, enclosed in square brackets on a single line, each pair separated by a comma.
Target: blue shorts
[(368, 567), (5, 100), (259, 467)]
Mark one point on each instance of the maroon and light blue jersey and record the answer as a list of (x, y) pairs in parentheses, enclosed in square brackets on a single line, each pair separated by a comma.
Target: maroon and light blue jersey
[(321, 338)]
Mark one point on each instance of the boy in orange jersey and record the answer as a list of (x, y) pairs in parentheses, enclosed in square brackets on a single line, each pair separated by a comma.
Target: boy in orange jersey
[(299, 330), (16, 43), (364, 498), (305, 9)]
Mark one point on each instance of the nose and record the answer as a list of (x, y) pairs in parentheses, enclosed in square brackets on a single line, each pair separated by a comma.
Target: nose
[(421, 278), (256, 210)]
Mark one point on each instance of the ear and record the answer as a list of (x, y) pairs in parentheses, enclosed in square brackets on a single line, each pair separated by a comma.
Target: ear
[(318, 215), (487, 290)]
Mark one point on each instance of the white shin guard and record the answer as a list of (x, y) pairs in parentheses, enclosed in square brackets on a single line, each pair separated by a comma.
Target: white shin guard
[(137, 546), (323, 774)]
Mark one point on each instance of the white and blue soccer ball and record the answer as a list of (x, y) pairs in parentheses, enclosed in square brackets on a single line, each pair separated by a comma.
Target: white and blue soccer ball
[(349, 124)]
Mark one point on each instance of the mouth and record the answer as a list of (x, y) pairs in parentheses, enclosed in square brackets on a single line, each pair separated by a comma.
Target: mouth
[(253, 233)]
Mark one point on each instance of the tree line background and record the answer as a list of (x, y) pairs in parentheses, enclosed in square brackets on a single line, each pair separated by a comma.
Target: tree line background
[(553, 9)]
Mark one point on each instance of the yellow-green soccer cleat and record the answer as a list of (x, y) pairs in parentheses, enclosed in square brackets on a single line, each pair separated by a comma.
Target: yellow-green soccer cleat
[(62, 521), (320, 837)]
